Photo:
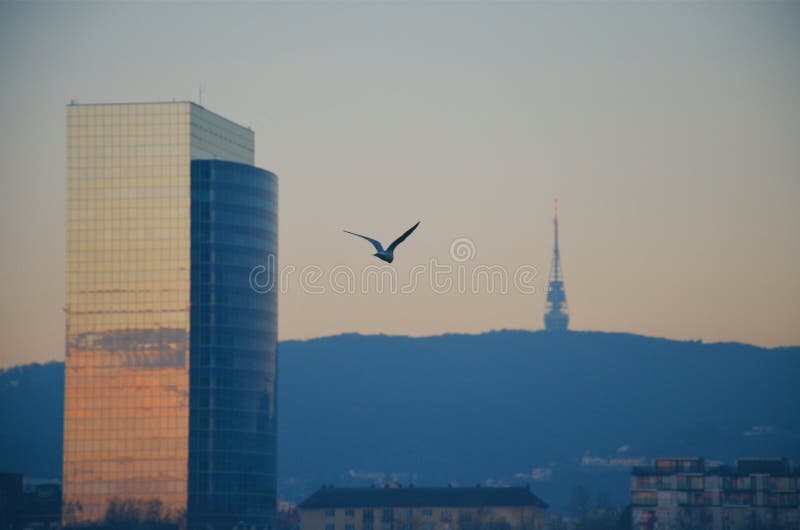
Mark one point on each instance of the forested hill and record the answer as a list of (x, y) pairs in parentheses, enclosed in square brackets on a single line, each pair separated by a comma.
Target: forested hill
[(554, 410)]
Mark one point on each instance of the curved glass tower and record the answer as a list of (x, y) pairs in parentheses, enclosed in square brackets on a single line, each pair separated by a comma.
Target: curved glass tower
[(232, 342), (170, 358)]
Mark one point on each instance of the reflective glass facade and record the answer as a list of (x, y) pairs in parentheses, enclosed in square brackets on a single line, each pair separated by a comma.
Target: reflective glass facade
[(129, 337), (232, 425)]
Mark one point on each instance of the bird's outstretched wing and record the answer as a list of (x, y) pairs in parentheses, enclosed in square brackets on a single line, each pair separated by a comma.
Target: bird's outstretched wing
[(375, 242), (402, 238)]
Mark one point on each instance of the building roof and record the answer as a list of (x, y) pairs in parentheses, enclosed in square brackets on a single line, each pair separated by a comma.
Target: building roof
[(74, 103), (766, 466), (743, 468), (331, 497)]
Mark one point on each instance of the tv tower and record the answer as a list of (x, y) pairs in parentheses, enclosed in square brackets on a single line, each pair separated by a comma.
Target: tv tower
[(556, 317)]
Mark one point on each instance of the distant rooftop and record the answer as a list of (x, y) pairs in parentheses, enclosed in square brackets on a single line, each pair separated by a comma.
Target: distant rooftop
[(743, 467), (331, 497), (763, 466)]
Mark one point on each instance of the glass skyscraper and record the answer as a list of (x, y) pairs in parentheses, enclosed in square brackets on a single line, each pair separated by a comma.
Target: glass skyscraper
[(170, 412)]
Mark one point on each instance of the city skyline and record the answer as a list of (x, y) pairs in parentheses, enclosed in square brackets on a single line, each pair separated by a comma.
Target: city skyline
[(666, 131)]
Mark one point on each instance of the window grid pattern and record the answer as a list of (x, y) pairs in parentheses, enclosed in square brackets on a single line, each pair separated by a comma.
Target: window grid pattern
[(128, 259), (127, 435), (232, 461)]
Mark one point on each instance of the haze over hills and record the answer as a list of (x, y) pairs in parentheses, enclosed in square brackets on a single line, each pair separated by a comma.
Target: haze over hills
[(554, 410)]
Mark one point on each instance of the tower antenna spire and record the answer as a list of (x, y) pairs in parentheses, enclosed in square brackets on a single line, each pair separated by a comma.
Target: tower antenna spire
[(556, 316), (555, 224)]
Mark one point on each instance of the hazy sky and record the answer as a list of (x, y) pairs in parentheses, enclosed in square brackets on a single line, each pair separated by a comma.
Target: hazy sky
[(670, 132)]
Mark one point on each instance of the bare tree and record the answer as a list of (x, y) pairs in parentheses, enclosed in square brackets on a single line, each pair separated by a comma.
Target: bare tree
[(580, 500)]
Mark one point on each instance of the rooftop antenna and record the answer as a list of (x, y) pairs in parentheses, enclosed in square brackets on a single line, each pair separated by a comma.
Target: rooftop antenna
[(200, 95)]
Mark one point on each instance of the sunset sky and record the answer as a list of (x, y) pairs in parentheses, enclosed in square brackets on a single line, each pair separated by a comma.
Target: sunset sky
[(670, 133)]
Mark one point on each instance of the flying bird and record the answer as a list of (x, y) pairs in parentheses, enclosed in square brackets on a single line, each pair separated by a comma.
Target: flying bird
[(388, 254)]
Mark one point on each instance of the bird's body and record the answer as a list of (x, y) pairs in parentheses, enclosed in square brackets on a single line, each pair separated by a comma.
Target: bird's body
[(388, 257), (387, 254)]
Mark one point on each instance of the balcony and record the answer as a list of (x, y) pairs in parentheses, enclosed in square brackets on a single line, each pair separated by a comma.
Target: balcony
[(689, 483), (738, 498), (644, 498), (783, 500), (697, 499)]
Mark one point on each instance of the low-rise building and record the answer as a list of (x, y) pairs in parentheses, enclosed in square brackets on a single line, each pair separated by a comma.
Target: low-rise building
[(29, 504), (689, 493), (412, 508)]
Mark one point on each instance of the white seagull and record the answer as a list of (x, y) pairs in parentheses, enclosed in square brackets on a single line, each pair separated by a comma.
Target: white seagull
[(388, 254)]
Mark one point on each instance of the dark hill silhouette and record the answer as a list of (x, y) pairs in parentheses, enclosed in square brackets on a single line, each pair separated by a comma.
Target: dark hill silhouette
[(31, 418), (468, 408)]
